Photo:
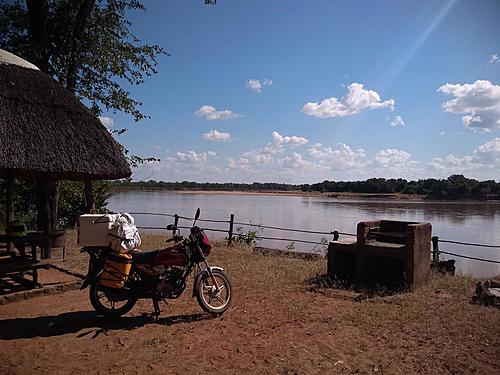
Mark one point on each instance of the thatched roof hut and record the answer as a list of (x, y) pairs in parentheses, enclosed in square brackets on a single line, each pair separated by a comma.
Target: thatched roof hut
[(46, 131)]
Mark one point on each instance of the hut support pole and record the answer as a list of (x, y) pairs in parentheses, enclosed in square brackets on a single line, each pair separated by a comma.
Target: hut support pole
[(9, 198), (54, 204), (89, 196), (47, 217)]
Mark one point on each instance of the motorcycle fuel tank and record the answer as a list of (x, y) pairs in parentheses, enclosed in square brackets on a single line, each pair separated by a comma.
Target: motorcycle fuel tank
[(172, 256)]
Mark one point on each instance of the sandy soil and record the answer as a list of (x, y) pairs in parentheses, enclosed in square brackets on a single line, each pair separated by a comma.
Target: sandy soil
[(277, 324), (340, 195)]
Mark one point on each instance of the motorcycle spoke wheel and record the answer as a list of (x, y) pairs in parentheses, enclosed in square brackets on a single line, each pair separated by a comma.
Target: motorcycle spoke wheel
[(212, 299), (105, 304), (110, 304)]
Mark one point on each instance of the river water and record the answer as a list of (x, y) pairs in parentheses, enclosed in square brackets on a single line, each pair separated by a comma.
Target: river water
[(475, 222)]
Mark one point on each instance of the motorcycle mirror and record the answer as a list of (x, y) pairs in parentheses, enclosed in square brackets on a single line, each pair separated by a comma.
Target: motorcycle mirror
[(196, 216)]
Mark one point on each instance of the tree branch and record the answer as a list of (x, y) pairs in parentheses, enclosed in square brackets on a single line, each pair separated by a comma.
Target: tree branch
[(86, 7), (37, 14)]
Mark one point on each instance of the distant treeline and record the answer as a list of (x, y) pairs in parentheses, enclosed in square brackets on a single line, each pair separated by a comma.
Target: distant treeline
[(454, 187)]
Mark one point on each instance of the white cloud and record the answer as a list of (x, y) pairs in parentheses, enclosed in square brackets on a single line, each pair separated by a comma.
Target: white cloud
[(342, 157), (281, 163), (210, 113), (215, 135), (392, 157), (484, 161), (398, 120), (183, 165), (189, 156), (257, 85), (296, 164), (280, 140), (489, 152), (357, 100), (479, 102), (494, 59), (452, 164), (253, 158), (107, 121), (262, 155)]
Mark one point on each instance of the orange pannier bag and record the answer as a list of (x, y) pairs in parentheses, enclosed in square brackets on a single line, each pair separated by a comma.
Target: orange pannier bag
[(116, 270)]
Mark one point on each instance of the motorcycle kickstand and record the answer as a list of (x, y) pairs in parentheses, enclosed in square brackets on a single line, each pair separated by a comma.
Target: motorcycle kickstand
[(156, 307)]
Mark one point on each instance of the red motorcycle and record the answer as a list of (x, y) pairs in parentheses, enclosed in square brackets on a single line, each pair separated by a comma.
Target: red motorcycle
[(159, 275)]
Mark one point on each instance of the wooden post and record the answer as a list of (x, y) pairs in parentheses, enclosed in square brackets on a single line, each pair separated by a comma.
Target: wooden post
[(435, 249), (89, 196), (9, 205), (9, 197), (335, 235), (231, 225), (176, 221), (47, 218)]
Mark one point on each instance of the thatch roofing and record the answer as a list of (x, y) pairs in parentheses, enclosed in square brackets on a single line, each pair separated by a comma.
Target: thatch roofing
[(46, 130)]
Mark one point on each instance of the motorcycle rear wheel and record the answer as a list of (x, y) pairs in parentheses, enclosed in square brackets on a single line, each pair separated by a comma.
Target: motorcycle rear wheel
[(106, 306), (213, 301)]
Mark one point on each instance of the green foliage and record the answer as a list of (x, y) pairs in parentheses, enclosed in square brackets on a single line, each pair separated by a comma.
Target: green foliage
[(96, 61), (248, 237), (24, 206), (110, 55), (109, 58), (72, 200), (454, 187)]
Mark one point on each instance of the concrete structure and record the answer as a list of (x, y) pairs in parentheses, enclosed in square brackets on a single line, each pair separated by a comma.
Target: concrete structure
[(392, 253)]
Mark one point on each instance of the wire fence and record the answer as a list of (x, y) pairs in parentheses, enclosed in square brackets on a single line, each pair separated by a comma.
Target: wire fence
[(232, 235), (436, 252)]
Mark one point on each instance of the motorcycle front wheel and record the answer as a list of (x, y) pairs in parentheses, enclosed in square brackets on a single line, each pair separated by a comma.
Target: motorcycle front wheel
[(212, 299), (109, 303)]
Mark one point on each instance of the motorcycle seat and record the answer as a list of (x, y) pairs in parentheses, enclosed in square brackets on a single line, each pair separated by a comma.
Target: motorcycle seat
[(142, 257)]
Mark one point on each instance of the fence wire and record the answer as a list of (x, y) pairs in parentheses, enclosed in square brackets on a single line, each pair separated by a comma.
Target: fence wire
[(292, 230), (300, 231), (468, 257), (279, 239), (470, 244)]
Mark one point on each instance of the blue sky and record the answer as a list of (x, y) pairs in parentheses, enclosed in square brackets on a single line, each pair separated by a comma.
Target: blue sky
[(302, 91)]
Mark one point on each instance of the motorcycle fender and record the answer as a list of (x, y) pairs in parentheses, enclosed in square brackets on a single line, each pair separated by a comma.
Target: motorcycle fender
[(197, 280), (89, 279)]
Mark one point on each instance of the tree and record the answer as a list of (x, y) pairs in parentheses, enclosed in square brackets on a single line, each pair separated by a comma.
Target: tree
[(88, 47)]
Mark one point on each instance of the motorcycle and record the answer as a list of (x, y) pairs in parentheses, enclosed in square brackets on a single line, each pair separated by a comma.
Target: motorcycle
[(161, 275)]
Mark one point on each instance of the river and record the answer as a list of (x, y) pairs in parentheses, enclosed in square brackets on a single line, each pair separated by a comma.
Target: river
[(477, 222)]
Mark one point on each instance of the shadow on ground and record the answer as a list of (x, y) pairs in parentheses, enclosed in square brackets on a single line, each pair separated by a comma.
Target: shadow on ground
[(361, 292), (73, 322)]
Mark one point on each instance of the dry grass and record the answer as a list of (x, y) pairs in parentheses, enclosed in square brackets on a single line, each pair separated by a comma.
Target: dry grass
[(278, 325)]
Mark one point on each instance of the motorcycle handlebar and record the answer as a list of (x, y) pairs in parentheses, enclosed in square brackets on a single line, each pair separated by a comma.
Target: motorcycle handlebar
[(175, 239)]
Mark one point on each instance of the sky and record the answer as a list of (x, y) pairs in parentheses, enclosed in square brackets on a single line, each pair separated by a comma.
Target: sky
[(305, 91)]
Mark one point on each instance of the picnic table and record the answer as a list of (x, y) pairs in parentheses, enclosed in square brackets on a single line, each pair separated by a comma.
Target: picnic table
[(28, 260)]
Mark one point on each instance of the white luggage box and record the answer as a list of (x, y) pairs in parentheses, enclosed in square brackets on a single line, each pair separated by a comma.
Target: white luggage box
[(93, 230)]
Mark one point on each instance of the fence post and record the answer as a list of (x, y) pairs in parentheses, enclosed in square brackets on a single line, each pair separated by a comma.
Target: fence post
[(335, 235), (231, 224), (176, 221), (435, 249)]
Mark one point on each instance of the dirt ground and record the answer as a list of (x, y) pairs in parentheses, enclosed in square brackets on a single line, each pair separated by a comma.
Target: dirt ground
[(276, 324)]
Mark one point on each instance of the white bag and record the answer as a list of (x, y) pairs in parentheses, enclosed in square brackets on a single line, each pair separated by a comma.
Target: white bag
[(123, 234)]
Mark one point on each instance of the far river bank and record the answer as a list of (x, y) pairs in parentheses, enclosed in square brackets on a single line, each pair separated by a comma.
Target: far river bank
[(299, 193)]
